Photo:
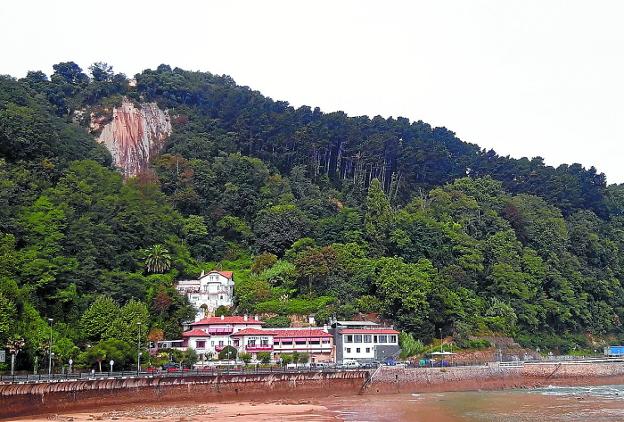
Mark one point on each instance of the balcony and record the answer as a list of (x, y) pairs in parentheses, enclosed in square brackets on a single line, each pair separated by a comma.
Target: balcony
[(259, 348)]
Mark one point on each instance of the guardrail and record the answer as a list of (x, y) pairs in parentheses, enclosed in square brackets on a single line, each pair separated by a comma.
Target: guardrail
[(205, 372)]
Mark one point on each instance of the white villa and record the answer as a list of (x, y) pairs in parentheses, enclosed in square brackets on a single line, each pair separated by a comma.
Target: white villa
[(211, 290)]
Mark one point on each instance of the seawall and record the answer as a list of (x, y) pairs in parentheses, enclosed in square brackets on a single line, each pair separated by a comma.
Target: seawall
[(34, 399), (494, 377)]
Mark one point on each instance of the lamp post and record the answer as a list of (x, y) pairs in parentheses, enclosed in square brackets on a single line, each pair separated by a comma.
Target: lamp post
[(139, 350), (440, 340), (51, 320)]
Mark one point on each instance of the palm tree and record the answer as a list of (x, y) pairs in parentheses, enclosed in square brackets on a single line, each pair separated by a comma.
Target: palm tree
[(157, 259)]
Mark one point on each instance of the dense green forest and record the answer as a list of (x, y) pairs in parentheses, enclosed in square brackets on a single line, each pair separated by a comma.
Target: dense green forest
[(315, 212)]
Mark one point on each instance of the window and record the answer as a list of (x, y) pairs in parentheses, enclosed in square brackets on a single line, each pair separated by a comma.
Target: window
[(348, 350), (236, 342), (368, 350), (375, 339), (201, 344), (368, 338), (220, 342), (264, 342), (349, 339), (357, 350), (393, 339), (221, 297), (212, 343), (357, 338), (383, 339), (251, 342), (326, 341)]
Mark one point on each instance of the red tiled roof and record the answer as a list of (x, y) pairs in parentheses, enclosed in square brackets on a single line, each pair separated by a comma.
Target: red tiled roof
[(368, 331), (227, 320), (253, 332), (226, 274), (302, 332), (277, 333), (195, 333)]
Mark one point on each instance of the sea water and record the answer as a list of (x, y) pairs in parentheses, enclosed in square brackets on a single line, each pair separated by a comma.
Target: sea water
[(595, 404)]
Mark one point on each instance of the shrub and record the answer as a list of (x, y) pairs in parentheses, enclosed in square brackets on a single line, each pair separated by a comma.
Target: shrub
[(280, 321), (264, 357), (228, 353), (245, 357)]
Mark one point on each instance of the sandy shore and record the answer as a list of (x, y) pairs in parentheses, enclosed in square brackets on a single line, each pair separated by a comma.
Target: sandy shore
[(282, 411)]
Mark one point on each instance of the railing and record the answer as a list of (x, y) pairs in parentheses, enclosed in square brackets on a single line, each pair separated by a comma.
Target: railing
[(259, 348), (204, 372)]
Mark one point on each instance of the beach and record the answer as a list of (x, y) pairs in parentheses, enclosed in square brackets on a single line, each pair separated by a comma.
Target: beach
[(556, 404)]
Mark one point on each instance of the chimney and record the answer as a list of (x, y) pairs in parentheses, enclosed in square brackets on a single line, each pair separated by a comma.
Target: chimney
[(325, 327), (245, 317), (256, 317), (202, 274), (222, 317)]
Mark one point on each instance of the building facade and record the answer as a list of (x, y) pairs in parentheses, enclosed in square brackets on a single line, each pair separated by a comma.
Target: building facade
[(211, 335), (364, 341), (211, 290)]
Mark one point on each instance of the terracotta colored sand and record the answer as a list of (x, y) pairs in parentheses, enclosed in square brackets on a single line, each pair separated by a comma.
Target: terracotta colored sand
[(244, 412)]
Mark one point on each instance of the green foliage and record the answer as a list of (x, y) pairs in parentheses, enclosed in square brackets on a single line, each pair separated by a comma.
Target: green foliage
[(409, 345), (245, 357), (343, 215), (228, 353), (279, 321), (95, 321), (264, 357), (157, 259), (285, 359)]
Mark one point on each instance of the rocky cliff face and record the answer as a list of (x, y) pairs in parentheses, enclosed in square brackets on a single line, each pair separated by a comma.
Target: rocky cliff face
[(133, 135)]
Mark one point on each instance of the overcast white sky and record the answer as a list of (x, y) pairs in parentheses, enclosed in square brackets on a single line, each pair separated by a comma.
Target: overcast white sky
[(524, 77)]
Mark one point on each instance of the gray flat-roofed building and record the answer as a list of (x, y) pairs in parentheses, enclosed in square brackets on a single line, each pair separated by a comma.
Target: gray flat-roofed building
[(364, 341)]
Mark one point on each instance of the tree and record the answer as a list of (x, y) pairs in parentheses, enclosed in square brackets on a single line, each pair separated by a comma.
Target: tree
[(228, 353), (286, 359), (111, 349), (157, 259), (264, 357), (155, 335), (409, 345), (189, 357), (97, 318), (276, 228), (64, 349), (245, 357), (101, 72), (132, 319), (262, 262), (303, 358), (378, 217)]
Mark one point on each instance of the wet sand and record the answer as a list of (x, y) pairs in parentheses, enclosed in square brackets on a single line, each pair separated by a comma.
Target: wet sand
[(282, 411)]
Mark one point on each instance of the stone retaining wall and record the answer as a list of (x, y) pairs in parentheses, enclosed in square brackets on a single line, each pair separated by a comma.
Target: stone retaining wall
[(494, 377), (33, 399)]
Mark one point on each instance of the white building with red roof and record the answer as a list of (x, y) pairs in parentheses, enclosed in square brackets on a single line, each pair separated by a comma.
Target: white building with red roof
[(210, 335), (211, 290)]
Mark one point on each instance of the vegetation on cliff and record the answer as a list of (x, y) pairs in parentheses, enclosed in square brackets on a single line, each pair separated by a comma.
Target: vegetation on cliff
[(315, 212)]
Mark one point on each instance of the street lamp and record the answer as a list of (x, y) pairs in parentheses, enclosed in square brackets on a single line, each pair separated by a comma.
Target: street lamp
[(440, 340), (139, 349), (51, 320)]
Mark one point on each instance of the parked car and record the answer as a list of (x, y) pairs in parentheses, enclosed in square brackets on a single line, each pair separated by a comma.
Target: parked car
[(351, 363), (171, 365)]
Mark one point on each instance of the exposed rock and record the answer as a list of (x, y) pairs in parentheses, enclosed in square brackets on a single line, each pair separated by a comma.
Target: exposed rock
[(134, 135)]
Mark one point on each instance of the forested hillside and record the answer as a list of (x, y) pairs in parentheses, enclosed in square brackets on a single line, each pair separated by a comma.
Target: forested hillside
[(315, 212)]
